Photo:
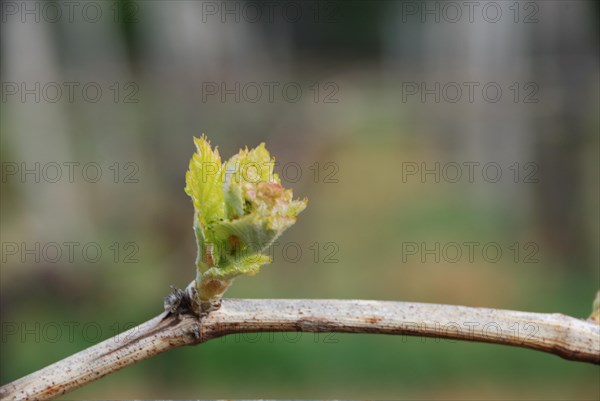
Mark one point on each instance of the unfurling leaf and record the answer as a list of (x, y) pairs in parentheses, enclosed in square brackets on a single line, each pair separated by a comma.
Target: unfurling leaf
[(240, 210), (595, 316)]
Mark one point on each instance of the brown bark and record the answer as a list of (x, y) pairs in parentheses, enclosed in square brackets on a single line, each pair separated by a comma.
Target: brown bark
[(565, 336)]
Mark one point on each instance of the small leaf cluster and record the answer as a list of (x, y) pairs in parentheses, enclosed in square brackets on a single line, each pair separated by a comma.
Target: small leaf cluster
[(240, 209)]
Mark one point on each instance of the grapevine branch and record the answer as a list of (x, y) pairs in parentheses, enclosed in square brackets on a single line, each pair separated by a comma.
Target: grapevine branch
[(565, 336)]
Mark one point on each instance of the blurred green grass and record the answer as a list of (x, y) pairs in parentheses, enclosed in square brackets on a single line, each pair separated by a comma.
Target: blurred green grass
[(368, 218)]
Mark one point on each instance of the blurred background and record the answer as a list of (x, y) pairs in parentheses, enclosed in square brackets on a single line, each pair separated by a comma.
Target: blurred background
[(418, 130)]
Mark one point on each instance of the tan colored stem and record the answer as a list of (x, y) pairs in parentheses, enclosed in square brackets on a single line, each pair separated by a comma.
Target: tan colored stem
[(565, 336)]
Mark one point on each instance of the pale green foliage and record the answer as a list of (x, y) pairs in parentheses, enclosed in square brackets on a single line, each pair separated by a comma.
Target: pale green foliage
[(240, 210), (595, 316), (204, 183)]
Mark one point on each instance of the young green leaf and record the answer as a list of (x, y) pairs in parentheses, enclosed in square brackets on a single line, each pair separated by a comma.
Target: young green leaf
[(595, 316), (241, 208)]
